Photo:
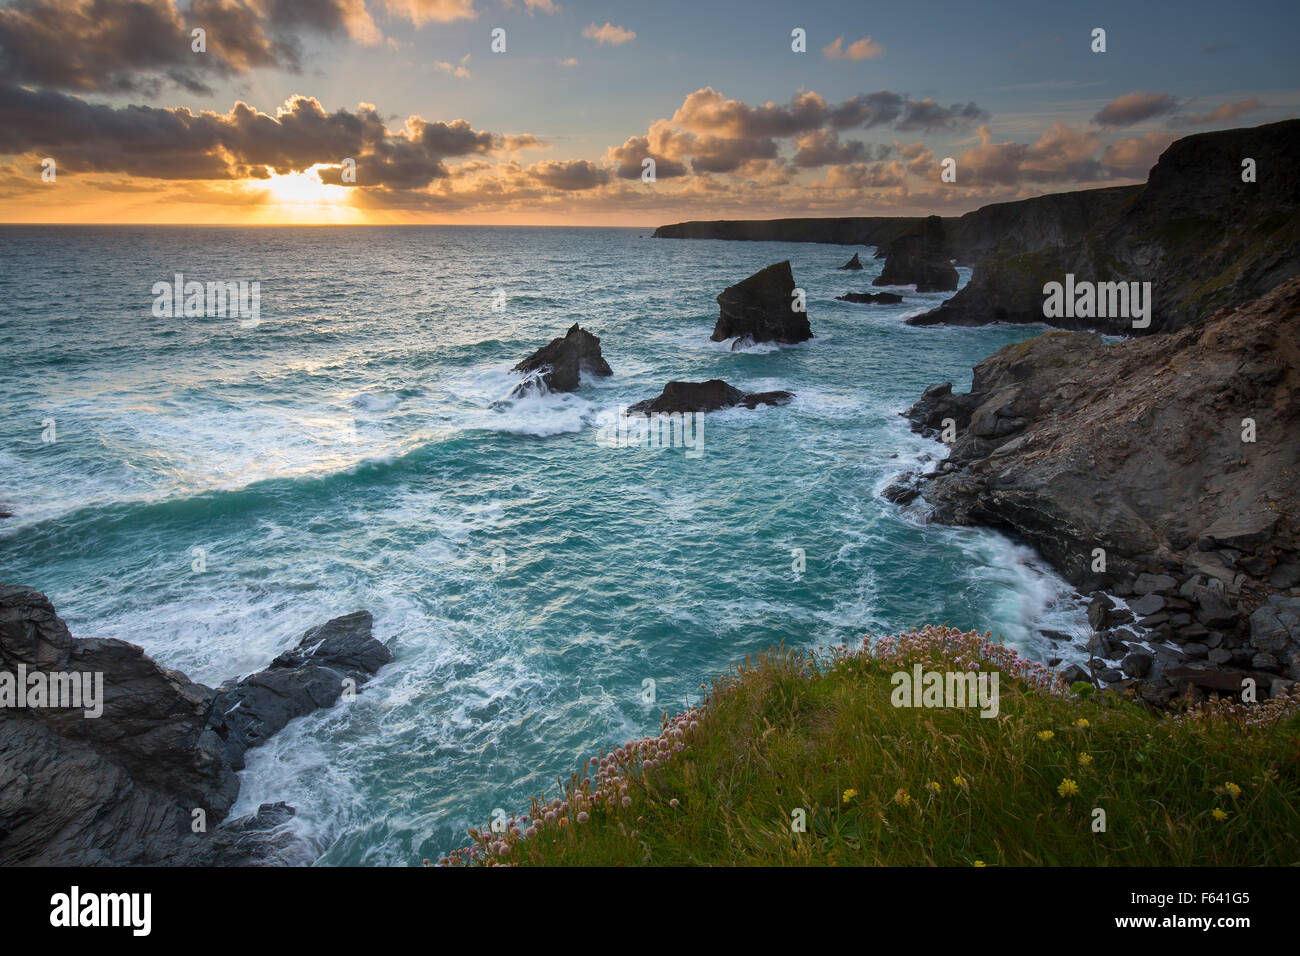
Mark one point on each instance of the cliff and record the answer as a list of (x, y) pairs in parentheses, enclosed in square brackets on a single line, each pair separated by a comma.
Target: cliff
[(1201, 236), (1177, 455)]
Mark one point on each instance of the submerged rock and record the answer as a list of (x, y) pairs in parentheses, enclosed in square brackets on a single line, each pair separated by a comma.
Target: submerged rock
[(707, 396), (761, 309), (871, 298), (854, 263), (919, 258), (556, 366), (124, 788)]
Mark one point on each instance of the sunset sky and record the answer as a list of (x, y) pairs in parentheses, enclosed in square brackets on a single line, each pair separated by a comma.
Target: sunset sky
[(553, 130)]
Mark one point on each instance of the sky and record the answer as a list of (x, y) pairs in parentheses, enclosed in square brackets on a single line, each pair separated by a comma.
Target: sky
[(636, 114)]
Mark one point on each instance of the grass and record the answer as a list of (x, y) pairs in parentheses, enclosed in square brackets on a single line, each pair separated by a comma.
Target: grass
[(794, 738)]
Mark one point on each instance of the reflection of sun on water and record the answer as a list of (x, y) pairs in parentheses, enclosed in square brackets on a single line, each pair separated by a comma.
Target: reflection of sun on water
[(302, 197)]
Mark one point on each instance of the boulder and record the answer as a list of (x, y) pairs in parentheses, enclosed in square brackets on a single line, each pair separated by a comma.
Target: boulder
[(1147, 605), (122, 788), (329, 658), (761, 309), (1138, 664), (707, 396), (871, 298), (854, 263), (555, 367)]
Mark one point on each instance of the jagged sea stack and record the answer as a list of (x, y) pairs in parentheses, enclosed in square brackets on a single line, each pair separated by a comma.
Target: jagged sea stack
[(559, 363), (854, 263), (918, 256), (761, 309)]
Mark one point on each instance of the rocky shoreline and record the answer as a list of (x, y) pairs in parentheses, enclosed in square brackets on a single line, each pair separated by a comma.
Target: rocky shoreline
[(1161, 470), (152, 779)]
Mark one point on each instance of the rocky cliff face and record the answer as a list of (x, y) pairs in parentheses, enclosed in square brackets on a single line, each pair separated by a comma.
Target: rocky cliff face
[(122, 788), (1204, 238), (846, 231), (919, 257), (1143, 449)]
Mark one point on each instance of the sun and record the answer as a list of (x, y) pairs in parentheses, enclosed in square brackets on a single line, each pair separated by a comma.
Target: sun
[(302, 197)]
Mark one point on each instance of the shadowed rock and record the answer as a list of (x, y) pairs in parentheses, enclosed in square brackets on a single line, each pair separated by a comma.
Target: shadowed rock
[(760, 309), (854, 263), (123, 788), (919, 257), (871, 298), (707, 396), (556, 366)]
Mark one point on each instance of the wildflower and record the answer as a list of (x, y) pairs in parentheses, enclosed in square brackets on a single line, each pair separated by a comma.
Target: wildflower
[(582, 817), (1045, 735), (934, 785), (848, 795), (1085, 759), (1234, 791), (1082, 722), (902, 797), (627, 802), (1218, 814), (674, 803), (1068, 788), (959, 781)]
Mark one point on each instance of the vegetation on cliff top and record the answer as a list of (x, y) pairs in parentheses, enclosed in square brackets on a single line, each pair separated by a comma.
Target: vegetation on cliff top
[(798, 738)]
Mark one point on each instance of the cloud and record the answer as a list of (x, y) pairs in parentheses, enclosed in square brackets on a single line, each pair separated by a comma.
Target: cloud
[(460, 71), (569, 175), (571, 61), (822, 147), (865, 176), (614, 36), (420, 12), (864, 49), (1222, 113), (139, 46), (1134, 108), (1061, 155), (242, 143), (627, 160), (1135, 155)]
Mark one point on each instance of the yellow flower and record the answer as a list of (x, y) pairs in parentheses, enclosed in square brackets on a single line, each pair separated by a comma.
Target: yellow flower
[(959, 780), (934, 785), (1218, 814), (1085, 759), (902, 797), (979, 863), (1068, 788), (1045, 735), (849, 795), (1234, 791), (1082, 722)]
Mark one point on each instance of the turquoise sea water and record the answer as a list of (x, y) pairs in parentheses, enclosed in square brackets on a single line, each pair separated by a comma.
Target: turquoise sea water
[(358, 449)]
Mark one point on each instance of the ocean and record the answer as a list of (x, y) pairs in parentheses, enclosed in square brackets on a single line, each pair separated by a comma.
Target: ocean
[(209, 488)]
